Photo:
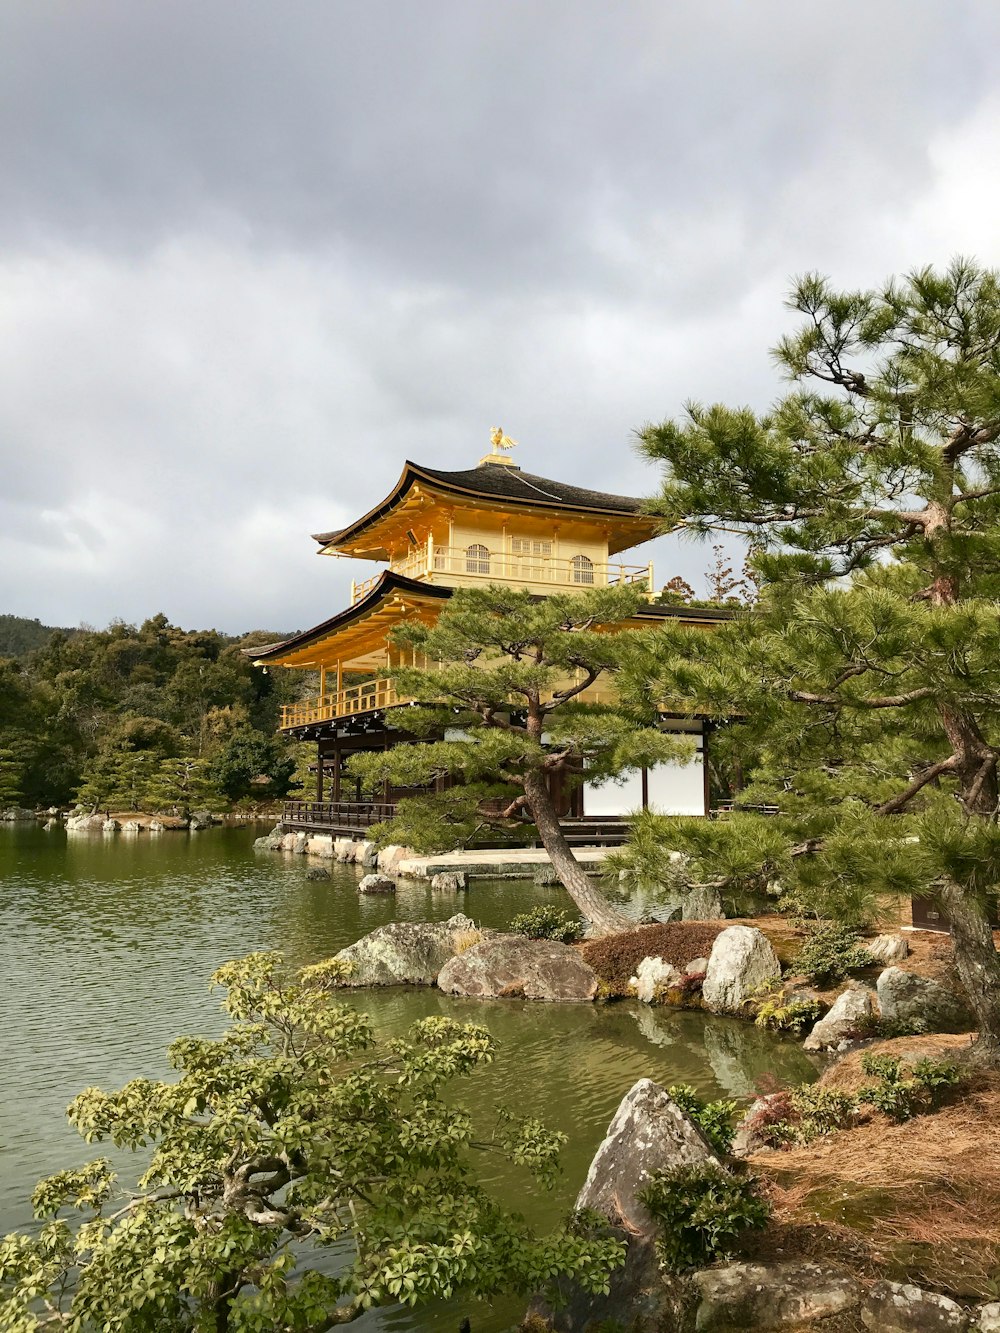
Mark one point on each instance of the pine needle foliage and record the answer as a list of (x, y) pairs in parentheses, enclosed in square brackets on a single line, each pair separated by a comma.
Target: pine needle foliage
[(866, 678)]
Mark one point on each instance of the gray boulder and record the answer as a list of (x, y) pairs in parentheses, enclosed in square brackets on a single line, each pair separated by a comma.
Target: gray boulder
[(511, 965), (318, 872), (888, 948), (134, 826), (449, 881), (744, 1296), (652, 977), (111, 826), (701, 903), (376, 884), (839, 1026), (405, 953), (200, 819), (16, 814), (648, 1133), (390, 857), (904, 997), (742, 960), (84, 823), (988, 1318), (695, 966), (899, 1307)]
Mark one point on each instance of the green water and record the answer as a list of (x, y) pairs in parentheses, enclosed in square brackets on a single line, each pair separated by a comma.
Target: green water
[(106, 945)]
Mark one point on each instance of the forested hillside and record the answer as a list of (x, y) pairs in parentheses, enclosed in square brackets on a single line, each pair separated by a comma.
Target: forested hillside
[(147, 718), (20, 636)]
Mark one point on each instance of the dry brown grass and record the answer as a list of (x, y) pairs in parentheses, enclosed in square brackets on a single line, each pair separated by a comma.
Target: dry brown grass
[(466, 939), (923, 1197)]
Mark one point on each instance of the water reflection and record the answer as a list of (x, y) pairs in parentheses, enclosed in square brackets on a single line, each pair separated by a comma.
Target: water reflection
[(106, 944)]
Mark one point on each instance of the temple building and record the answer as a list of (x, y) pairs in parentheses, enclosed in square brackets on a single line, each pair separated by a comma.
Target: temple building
[(437, 531)]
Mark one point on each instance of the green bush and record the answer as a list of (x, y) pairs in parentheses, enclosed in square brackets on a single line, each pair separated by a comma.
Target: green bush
[(830, 953), (548, 923), (903, 1091), (799, 1115), (714, 1119), (776, 1016), (703, 1213)]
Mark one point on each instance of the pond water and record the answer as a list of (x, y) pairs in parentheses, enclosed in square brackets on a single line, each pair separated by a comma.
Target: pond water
[(107, 943)]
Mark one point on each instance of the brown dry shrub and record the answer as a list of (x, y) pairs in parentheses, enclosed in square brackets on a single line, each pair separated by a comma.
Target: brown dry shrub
[(616, 957)]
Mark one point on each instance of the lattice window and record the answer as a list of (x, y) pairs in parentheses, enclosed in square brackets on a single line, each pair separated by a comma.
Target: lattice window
[(477, 559), (529, 546), (583, 569)]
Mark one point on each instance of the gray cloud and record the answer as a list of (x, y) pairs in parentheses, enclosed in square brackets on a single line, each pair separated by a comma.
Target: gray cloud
[(253, 255)]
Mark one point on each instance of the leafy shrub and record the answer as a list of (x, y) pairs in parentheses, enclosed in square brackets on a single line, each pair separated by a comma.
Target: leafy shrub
[(703, 1213), (903, 1091), (830, 953), (799, 1115), (874, 1027), (548, 923), (714, 1119), (795, 1016)]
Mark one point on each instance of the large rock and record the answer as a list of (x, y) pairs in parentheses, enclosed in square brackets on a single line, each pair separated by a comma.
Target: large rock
[(742, 960), (111, 826), (701, 903), (405, 953), (839, 1027), (652, 977), (513, 966), (904, 997), (988, 1318), (85, 823), (200, 819), (377, 884), (390, 857), (888, 948), (15, 814), (321, 845), (449, 881), (745, 1296), (648, 1133), (898, 1307), (343, 849), (271, 842)]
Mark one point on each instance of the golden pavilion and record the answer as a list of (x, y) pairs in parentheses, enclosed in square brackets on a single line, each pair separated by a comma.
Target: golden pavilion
[(437, 531)]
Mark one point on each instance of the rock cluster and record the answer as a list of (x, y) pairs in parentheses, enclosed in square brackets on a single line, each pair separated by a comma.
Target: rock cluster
[(839, 1027), (905, 997)]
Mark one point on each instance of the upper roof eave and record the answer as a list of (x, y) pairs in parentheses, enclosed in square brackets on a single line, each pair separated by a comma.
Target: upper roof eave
[(493, 483), (387, 584)]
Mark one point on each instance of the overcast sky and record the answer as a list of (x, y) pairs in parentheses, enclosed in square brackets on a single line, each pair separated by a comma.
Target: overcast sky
[(254, 253)]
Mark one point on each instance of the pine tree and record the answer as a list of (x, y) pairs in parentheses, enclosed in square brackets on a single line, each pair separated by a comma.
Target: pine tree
[(869, 675), (504, 701)]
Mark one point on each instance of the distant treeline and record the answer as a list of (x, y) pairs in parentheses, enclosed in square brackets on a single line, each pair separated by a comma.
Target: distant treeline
[(20, 636), (139, 718)]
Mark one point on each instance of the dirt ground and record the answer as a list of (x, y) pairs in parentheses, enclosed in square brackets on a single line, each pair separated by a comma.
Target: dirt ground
[(918, 1201)]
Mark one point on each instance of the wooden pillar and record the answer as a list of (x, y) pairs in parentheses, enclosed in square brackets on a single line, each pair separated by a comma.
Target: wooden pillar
[(645, 788), (336, 766), (319, 769), (707, 785)]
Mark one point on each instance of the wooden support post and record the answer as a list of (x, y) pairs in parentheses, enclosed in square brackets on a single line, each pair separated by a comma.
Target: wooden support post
[(336, 766), (706, 780), (319, 770), (645, 788)]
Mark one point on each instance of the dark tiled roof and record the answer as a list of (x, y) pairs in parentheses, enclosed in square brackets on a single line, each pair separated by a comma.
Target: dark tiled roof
[(494, 481)]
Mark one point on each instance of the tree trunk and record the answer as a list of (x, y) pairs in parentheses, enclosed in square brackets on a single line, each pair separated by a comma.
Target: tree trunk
[(978, 965), (602, 915)]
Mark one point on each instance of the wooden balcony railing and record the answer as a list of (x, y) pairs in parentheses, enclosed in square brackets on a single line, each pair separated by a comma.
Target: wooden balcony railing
[(377, 694), (364, 698), (442, 563)]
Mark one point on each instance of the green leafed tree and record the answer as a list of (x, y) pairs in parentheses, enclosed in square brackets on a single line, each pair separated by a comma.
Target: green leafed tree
[(868, 676), (301, 1171), (503, 706)]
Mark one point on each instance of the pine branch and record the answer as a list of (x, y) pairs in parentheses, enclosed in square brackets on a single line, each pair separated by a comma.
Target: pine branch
[(896, 803)]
